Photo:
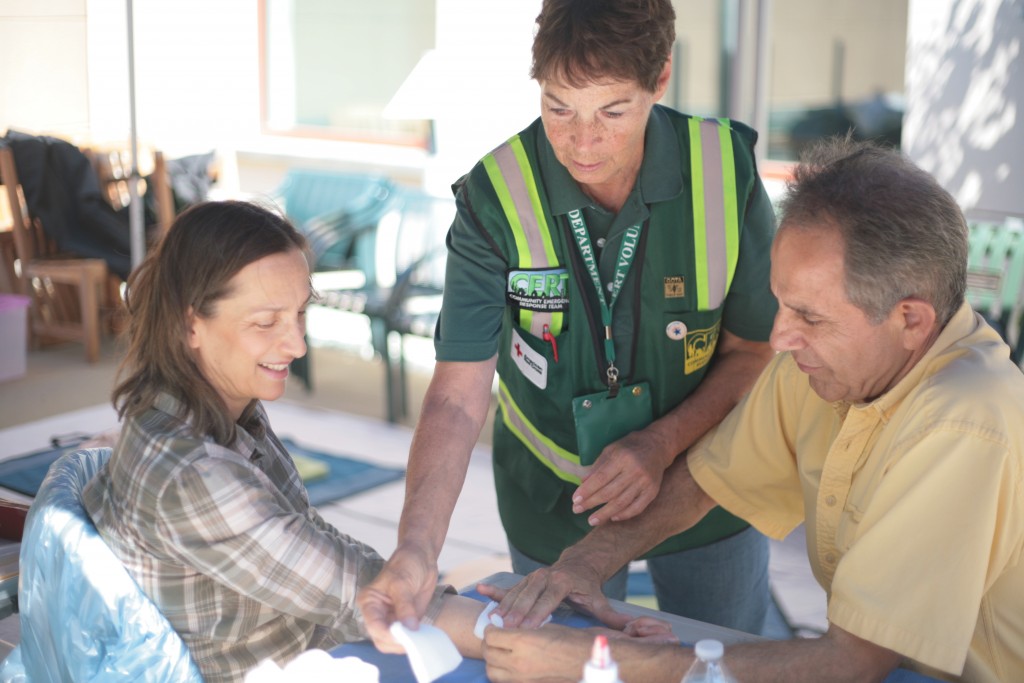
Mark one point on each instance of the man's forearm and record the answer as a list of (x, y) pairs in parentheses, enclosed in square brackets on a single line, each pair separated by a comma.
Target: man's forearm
[(737, 365), (457, 617), (558, 653), (627, 476), (837, 657), (680, 504)]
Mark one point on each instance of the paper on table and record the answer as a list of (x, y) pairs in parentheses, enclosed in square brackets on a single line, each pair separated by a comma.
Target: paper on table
[(312, 666), (431, 652)]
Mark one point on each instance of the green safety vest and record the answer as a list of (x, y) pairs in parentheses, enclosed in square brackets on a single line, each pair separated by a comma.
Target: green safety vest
[(715, 247), (678, 276)]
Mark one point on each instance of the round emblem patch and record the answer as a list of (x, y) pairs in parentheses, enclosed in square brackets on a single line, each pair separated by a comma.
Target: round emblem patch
[(676, 330)]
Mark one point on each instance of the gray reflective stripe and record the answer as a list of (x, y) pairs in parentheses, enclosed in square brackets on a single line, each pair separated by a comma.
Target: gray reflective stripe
[(515, 182), (715, 210), (564, 464), (714, 213)]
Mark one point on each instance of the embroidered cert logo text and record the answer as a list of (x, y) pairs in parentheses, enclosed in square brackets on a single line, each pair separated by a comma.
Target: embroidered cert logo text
[(539, 290)]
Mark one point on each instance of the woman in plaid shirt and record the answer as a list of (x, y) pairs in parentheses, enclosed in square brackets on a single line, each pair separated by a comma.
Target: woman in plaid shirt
[(200, 500)]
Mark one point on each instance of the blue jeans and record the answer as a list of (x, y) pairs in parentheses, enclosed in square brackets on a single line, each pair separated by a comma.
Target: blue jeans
[(724, 583)]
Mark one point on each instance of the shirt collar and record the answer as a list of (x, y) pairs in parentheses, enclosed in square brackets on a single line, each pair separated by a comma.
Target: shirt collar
[(660, 176), (251, 427), (964, 329)]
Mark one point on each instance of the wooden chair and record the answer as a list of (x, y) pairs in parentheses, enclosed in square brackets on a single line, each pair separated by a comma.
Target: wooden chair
[(162, 193), (52, 279), (113, 169)]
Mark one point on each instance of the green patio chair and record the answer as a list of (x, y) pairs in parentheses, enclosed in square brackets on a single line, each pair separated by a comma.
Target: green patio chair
[(995, 277)]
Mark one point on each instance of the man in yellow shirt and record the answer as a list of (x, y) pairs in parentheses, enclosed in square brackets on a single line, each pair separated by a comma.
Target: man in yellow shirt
[(891, 423)]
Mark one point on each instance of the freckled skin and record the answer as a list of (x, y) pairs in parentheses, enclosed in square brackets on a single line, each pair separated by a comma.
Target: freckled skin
[(597, 132)]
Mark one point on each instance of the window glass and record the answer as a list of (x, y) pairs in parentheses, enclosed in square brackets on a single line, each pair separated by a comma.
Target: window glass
[(835, 65), (830, 66), (330, 68)]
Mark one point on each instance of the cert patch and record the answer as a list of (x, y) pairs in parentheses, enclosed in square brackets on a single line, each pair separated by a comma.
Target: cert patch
[(675, 287), (542, 289), (700, 346), (532, 364)]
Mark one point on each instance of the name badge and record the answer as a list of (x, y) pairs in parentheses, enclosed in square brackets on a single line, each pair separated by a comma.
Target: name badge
[(533, 365)]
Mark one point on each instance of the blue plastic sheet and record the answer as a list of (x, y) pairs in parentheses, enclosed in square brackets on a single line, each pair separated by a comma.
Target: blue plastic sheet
[(396, 669), (83, 617)]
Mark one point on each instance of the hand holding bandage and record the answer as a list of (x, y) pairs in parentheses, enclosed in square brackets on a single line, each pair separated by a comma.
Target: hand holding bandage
[(431, 652)]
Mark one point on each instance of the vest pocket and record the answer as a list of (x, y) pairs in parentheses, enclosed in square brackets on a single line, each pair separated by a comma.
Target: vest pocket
[(536, 393)]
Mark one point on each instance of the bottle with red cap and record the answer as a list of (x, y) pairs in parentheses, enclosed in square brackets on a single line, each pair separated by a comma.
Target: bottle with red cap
[(601, 668)]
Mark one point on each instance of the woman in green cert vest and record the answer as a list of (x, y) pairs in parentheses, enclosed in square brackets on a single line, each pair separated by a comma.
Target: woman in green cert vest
[(611, 263)]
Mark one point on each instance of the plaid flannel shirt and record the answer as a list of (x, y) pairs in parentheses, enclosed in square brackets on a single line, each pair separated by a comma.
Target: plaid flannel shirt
[(225, 542)]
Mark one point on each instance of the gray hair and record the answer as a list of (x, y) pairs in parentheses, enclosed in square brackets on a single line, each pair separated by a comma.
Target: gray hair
[(904, 235)]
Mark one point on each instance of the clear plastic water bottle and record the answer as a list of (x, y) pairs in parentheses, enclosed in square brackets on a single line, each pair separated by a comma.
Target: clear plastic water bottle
[(708, 667)]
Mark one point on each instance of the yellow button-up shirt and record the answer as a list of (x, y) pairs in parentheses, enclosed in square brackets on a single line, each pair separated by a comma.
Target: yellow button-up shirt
[(913, 503)]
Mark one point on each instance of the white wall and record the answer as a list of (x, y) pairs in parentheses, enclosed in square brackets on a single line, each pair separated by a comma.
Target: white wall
[(44, 86), (965, 94), (196, 74), (483, 81)]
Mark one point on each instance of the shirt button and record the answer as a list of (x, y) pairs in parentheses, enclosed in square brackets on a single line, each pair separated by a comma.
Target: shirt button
[(830, 501), (610, 286), (830, 558), (600, 242)]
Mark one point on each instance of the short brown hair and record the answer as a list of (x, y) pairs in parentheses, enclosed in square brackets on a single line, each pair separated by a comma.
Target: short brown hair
[(903, 234), (583, 41), (191, 270)]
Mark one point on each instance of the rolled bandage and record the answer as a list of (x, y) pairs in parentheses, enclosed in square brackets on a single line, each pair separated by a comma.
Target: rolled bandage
[(488, 618)]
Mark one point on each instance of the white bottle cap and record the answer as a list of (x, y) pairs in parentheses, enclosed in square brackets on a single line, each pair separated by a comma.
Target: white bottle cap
[(709, 649), (605, 674), (601, 668)]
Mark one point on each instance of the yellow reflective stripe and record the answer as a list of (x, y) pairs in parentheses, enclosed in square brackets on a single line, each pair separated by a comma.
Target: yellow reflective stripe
[(700, 248), (538, 211), (508, 169), (565, 465), (732, 219), (556, 317), (509, 207)]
